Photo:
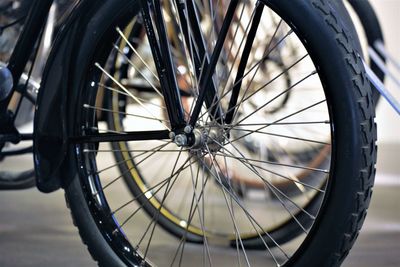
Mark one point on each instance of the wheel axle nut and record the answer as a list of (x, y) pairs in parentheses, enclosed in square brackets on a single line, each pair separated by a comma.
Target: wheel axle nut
[(181, 140), (188, 129)]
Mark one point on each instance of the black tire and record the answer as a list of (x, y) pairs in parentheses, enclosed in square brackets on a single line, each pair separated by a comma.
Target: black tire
[(373, 31), (351, 108)]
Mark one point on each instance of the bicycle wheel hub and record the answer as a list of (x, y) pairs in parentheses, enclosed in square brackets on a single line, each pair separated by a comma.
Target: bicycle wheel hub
[(208, 138)]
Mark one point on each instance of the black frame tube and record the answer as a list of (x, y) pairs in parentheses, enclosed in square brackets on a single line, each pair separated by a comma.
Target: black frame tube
[(33, 25), (206, 79), (163, 59), (243, 63)]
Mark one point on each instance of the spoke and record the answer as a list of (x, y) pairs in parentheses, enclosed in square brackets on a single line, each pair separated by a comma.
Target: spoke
[(139, 71), (189, 63), (244, 99), (202, 220), (275, 173), (167, 190), (264, 57), (130, 150), (126, 91), (251, 219), (283, 123), (196, 208), (191, 214), (223, 190), (273, 99), (283, 136), (231, 203), (281, 119), (271, 186), (261, 87), (116, 179), (267, 53), (156, 216), (258, 67), (238, 50), (273, 189), (125, 160), (294, 180), (249, 216), (277, 163), (124, 173), (148, 193), (134, 51), (123, 93), (125, 113)]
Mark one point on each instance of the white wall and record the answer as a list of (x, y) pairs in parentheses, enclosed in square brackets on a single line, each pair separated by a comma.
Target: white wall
[(388, 120)]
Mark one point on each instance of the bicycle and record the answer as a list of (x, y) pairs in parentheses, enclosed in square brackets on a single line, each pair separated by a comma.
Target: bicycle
[(67, 142)]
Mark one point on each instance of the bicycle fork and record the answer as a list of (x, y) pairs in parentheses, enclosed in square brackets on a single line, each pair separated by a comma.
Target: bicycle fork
[(204, 64)]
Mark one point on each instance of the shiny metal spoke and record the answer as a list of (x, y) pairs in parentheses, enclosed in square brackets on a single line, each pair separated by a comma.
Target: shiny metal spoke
[(265, 56), (123, 93), (136, 53), (130, 150), (296, 181), (248, 160), (114, 180), (282, 136), (166, 182), (139, 71), (278, 164), (246, 163), (244, 99), (274, 190), (272, 99), (247, 28), (283, 118), (261, 87), (259, 65), (154, 150), (251, 219), (125, 113), (168, 189), (230, 210), (189, 59), (192, 212), (126, 91), (149, 193), (282, 123)]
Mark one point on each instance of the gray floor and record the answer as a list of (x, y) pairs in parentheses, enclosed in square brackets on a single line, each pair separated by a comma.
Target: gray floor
[(36, 229)]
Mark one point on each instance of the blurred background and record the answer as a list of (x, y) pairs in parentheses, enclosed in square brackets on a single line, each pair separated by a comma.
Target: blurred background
[(36, 229), (387, 119)]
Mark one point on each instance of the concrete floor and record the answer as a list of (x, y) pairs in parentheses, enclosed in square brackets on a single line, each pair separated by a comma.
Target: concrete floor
[(36, 229)]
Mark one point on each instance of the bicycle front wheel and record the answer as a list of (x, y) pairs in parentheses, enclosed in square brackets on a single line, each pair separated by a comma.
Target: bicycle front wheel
[(189, 191)]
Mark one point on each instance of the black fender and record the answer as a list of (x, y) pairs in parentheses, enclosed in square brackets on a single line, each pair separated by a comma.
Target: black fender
[(51, 114)]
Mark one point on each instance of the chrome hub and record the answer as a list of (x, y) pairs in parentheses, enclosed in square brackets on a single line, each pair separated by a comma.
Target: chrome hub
[(209, 138)]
